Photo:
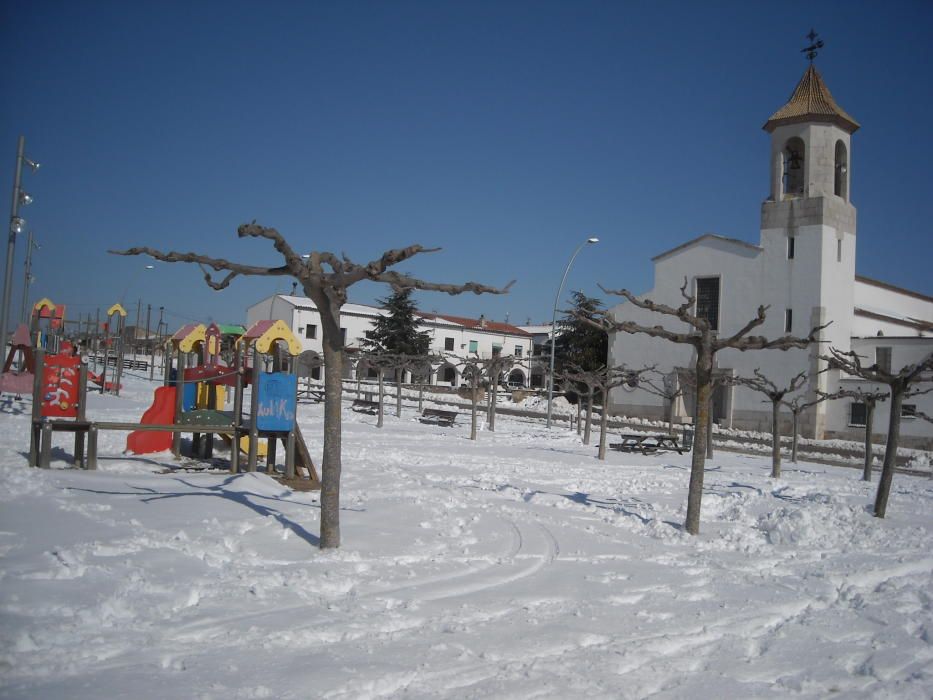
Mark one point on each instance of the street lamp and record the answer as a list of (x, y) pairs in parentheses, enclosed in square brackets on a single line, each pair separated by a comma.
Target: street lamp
[(16, 226), (560, 289)]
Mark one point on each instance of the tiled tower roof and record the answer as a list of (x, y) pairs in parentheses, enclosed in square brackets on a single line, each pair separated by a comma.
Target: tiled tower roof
[(811, 101)]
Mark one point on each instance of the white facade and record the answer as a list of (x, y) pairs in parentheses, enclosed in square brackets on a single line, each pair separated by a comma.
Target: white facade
[(803, 270), (451, 336)]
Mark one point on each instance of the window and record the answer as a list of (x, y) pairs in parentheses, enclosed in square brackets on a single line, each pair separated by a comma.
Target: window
[(496, 349), (883, 359), (708, 300), (908, 410), (794, 159), (537, 350), (343, 335), (315, 373), (841, 180), (370, 335), (788, 320), (450, 374), (310, 331), (838, 250), (858, 414), (448, 343), (518, 351), (790, 247), (474, 346)]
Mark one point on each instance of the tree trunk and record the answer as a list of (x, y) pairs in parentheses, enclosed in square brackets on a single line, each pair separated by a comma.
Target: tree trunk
[(589, 417), (793, 444), (869, 455), (704, 391), (330, 464), (473, 401), (890, 450), (603, 426), (579, 415), (775, 440), (709, 425), (381, 396), (420, 395), (399, 375), (494, 388)]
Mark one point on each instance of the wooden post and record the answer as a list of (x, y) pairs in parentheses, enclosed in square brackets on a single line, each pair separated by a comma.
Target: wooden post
[(45, 449), (381, 396), (36, 408), (237, 411), (253, 410), (92, 447), (179, 402), (81, 417)]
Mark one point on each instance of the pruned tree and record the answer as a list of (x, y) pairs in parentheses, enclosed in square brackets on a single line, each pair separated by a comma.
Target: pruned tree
[(901, 384), (325, 278), (870, 399), (472, 371), (666, 386), (493, 369), (384, 362), (797, 406), (760, 383), (706, 343), (603, 380)]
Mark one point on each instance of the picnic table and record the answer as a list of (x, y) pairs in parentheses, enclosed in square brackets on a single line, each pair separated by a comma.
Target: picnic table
[(438, 417), (364, 406), (316, 395), (646, 444)]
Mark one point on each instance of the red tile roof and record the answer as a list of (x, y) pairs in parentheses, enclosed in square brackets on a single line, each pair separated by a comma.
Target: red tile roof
[(478, 324)]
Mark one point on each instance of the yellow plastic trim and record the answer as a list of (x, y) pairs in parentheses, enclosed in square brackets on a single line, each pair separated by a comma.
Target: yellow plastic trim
[(116, 309), (196, 336), (278, 331)]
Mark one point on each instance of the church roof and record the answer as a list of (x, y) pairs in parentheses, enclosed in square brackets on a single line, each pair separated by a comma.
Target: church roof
[(708, 237), (811, 101)]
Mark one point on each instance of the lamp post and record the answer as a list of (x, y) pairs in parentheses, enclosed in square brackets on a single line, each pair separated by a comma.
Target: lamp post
[(16, 226), (31, 245), (560, 289)]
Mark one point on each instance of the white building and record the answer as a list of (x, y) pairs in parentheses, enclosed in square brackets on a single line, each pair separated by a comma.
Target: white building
[(451, 336), (803, 269)]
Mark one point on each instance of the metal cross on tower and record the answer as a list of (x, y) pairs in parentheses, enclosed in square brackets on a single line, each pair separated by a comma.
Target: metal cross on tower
[(814, 47)]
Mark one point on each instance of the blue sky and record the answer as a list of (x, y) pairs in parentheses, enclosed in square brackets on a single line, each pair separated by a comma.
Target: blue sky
[(504, 132)]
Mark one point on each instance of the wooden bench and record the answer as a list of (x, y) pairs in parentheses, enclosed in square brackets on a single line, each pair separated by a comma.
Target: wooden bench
[(647, 444), (438, 417), (364, 406)]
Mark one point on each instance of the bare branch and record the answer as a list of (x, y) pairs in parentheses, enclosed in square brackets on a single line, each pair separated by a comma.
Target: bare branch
[(204, 261)]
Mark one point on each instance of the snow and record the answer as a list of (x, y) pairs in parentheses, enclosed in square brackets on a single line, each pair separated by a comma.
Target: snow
[(516, 566)]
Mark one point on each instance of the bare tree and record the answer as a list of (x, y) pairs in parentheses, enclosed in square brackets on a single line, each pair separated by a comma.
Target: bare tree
[(870, 399), (901, 385), (494, 368), (760, 383), (325, 278), (706, 343), (797, 406), (397, 363), (666, 386), (603, 380)]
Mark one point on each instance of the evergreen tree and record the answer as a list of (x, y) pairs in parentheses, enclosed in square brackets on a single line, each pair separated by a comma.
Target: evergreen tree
[(397, 332), (578, 343)]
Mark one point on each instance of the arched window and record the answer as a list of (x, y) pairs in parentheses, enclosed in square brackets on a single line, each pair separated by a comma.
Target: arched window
[(449, 374), (794, 161), (841, 180), (516, 378)]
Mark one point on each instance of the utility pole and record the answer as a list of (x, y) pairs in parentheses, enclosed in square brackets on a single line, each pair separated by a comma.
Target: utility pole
[(27, 278), (16, 226)]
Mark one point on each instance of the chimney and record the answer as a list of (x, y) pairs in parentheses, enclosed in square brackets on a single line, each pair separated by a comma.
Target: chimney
[(482, 321)]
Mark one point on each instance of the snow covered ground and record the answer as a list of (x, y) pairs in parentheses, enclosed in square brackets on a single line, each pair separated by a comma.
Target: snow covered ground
[(518, 566)]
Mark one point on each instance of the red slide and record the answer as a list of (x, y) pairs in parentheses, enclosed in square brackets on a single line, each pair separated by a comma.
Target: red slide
[(161, 412)]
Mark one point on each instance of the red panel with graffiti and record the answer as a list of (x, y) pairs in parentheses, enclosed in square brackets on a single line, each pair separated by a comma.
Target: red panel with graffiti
[(60, 375)]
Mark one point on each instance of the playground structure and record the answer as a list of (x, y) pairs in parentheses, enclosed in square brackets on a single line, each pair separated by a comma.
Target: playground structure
[(46, 325), (193, 399), (113, 338)]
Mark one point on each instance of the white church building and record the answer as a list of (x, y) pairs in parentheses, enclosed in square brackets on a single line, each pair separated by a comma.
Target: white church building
[(803, 269)]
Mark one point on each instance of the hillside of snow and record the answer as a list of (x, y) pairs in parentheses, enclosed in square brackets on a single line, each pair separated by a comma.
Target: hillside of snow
[(516, 566)]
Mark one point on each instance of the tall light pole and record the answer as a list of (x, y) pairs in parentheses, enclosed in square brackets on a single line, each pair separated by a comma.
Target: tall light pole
[(16, 226), (560, 289), (27, 278)]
